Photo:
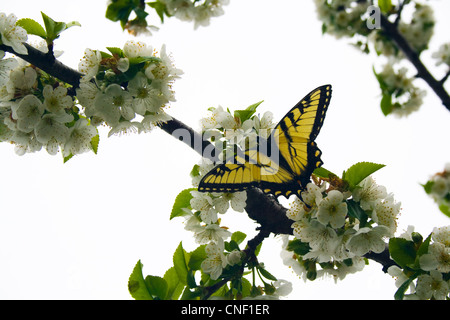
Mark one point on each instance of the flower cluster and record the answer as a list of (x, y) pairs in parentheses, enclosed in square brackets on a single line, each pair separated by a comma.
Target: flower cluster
[(419, 30), (205, 223), (36, 112), (433, 277), (342, 18), (442, 55), (348, 18), (128, 84), (334, 230), (400, 96), (198, 11), (438, 188), (126, 89)]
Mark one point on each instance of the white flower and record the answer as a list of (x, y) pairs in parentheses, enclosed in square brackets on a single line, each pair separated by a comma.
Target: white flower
[(332, 210), (86, 94), (442, 235), (419, 31), (145, 96), (320, 255), (79, 138), (432, 285), (238, 200), (126, 127), (51, 131), (407, 234), (152, 120), (440, 187), (234, 257), (11, 34), (89, 64), (215, 260), (368, 193), (6, 65), (114, 103), (400, 277), (296, 210), (25, 142), (134, 49), (321, 239), (218, 119), (366, 240), (56, 100), (204, 203), (443, 54), (437, 258), (23, 78), (385, 213), (341, 270), (313, 194), (28, 113), (283, 287), (211, 232), (123, 64), (181, 9), (340, 251)]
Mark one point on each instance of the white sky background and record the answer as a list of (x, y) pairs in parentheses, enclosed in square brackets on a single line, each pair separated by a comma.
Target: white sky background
[(76, 230)]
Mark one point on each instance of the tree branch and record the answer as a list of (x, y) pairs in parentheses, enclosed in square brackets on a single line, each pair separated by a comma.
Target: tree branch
[(48, 63), (422, 72), (262, 208)]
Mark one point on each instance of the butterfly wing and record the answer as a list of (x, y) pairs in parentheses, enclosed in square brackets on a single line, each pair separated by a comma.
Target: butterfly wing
[(294, 137), (298, 154), (242, 172)]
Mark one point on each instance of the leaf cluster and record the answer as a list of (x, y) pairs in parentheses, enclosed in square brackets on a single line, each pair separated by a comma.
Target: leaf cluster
[(51, 30)]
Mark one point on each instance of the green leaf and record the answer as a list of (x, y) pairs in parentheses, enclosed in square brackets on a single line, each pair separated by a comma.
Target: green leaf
[(32, 27), (196, 258), (119, 10), (157, 286), (266, 274), (386, 103), (402, 251), (238, 236), (385, 5), (54, 28), (400, 293), (174, 286), (136, 284), (190, 279), (179, 262), (94, 143), (355, 211), (67, 158), (195, 171), (183, 200), (323, 173), (298, 247), (359, 171), (248, 112), (444, 209), (160, 9), (428, 186), (115, 50)]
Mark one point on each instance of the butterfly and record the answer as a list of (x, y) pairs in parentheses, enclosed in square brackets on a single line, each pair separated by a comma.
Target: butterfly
[(289, 157)]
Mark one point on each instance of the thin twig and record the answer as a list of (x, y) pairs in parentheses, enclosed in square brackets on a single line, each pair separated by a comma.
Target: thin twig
[(422, 72)]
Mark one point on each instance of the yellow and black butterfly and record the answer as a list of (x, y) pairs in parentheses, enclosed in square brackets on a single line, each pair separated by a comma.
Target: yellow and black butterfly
[(289, 160)]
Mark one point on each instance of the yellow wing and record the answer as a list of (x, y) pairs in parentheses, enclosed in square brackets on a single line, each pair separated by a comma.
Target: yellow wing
[(285, 168)]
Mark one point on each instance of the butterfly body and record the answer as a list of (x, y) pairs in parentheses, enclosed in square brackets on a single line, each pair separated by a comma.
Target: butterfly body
[(282, 164)]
